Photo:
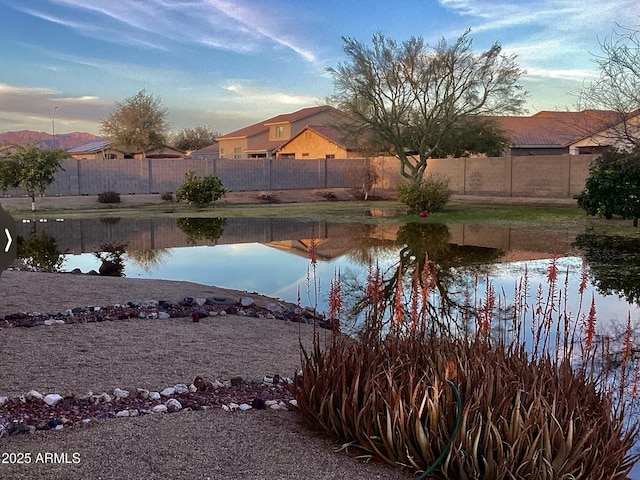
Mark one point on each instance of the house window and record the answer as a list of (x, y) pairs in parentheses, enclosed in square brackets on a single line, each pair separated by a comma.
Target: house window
[(237, 150), (279, 131), (329, 156), (305, 154), (287, 155), (221, 151)]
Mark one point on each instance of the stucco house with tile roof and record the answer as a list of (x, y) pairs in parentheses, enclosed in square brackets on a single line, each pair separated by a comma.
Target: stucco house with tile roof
[(559, 133), (262, 139), (319, 141)]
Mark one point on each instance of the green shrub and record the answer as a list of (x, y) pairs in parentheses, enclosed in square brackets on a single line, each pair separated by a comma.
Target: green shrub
[(109, 197), (200, 190), (431, 195)]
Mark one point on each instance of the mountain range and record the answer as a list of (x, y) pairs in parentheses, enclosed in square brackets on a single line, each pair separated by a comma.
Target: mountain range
[(63, 140)]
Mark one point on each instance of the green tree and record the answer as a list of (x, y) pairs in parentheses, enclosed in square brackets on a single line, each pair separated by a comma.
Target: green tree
[(613, 186), (137, 124), (422, 101), (195, 138), (200, 190), (31, 167)]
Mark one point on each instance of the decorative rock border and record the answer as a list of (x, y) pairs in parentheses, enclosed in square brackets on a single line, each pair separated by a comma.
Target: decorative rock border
[(34, 411), (194, 307)]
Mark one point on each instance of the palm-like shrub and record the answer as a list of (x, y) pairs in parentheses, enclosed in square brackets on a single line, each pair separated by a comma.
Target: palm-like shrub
[(527, 412)]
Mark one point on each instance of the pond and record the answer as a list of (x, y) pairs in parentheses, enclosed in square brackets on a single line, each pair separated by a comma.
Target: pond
[(271, 256)]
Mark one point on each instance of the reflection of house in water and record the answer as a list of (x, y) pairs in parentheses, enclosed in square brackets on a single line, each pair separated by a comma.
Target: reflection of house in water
[(326, 248)]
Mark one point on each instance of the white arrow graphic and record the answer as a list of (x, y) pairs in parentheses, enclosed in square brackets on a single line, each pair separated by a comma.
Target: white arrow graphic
[(6, 231)]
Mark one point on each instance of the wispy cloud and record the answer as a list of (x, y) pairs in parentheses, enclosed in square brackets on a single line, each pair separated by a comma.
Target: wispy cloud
[(234, 26), (240, 91)]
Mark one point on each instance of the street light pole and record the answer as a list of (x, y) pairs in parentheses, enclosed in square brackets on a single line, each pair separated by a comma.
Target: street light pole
[(53, 126)]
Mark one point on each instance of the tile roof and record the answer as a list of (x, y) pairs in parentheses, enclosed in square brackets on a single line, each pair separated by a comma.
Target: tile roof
[(556, 129), (261, 127)]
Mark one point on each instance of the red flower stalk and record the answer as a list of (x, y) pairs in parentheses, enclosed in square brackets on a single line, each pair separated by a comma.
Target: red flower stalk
[(552, 270), (313, 247), (583, 277), (398, 307), (413, 314), (627, 343), (590, 324), (635, 381), (335, 302)]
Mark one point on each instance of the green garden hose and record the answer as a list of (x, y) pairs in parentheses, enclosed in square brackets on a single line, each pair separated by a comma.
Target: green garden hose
[(447, 447)]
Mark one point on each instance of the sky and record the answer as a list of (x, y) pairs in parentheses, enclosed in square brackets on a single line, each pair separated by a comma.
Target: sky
[(226, 64)]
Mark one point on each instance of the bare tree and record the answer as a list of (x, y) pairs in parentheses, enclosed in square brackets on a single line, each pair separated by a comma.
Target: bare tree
[(137, 124), (415, 98), (618, 87), (195, 138)]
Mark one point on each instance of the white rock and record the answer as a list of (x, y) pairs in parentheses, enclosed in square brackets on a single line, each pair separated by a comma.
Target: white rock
[(222, 313), (294, 402), (123, 413), (48, 322), (226, 408), (275, 406), (59, 427), (142, 393), (159, 408), (22, 398), (133, 412), (246, 301), (167, 392), (153, 315), (150, 303), (59, 321), (97, 309), (233, 406), (268, 403), (52, 399), (154, 395), (200, 301), (244, 407), (217, 384), (193, 388), (181, 388), (213, 313), (163, 315), (119, 393), (34, 395), (83, 395), (105, 397), (3, 400), (173, 405)]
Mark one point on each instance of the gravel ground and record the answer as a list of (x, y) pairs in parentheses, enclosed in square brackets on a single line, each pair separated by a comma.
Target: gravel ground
[(154, 354)]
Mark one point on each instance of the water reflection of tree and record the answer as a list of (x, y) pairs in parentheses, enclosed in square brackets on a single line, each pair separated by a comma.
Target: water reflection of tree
[(111, 255), (202, 228), (39, 251), (421, 246), (614, 263), (149, 259)]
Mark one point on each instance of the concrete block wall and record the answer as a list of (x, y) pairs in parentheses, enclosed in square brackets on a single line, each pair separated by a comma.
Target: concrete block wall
[(553, 176)]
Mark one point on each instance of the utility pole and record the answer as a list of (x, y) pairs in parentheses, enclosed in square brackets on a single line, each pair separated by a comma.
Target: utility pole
[(53, 126)]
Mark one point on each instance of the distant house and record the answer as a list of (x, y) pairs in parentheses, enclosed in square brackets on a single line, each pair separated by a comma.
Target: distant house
[(162, 152), (103, 150), (96, 151), (319, 141), (262, 139), (208, 152), (559, 133)]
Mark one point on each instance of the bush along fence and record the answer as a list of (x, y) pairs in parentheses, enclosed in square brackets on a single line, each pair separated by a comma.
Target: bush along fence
[(553, 176)]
